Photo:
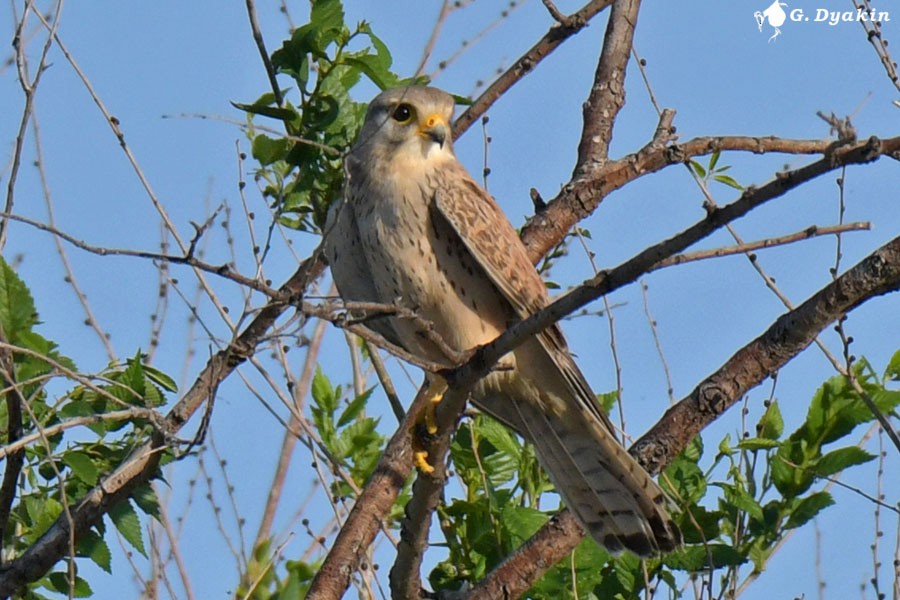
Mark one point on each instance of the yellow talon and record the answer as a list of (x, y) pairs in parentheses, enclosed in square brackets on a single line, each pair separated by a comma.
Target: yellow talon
[(434, 393), (431, 412), (420, 459)]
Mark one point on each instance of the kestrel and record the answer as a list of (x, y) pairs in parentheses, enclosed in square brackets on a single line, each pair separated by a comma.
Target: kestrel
[(415, 229)]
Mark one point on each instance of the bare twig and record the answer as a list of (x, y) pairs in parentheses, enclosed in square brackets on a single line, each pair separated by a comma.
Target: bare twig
[(29, 87), (808, 233)]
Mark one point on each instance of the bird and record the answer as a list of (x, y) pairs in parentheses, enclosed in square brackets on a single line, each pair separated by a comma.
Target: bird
[(414, 229)]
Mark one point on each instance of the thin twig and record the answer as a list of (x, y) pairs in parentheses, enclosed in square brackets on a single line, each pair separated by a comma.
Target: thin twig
[(743, 248), (263, 53)]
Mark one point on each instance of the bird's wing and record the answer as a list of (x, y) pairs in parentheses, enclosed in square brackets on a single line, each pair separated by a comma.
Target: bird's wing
[(354, 280), (487, 234)]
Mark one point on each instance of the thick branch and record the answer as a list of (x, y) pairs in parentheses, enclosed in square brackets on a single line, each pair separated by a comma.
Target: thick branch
[(878, 274), (607, 95), (583, 194), (344, 558)]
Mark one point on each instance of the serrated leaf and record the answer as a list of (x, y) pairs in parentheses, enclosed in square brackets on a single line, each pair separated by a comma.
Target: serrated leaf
[(729, 181), (17, 311), (738, 497), (128, 524), (498, 435), (327, 14), (838, 460), (521, 522), (354, 408), (269, 150), (60, 582), (92, 545), (82, 466), (808, 508), (703, 557), (607, 400), (684, 480), (160, 379), (323, 392), (146, 499), (892, 371), (373, 68)]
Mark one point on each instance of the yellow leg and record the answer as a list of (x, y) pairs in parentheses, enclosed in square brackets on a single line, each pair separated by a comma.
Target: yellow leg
[(436, 389), (437, 386)]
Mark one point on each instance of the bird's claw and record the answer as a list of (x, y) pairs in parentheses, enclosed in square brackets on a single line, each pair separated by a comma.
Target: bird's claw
[(427, 425)]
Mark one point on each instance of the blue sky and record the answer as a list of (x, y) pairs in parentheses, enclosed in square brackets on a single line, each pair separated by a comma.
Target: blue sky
[(158, 65)]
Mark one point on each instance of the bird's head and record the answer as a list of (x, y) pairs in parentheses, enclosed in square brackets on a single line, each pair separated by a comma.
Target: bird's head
[(410, 123)]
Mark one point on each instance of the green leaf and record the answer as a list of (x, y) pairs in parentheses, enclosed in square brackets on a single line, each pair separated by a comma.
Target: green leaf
[(327, 15), (684, 480), (288, 114), (808, 508), (737, 497), (498, 435), (771, 426), (323, 392), (268, 150), (146, 499), (892, 371), (127, 522), (607, 400), (838, 460), (82, 466), (521, 522), (757, 444), (160, 379), (729, 181), (703, 557), (92, 545), (698, 169), (60, 582), (713, 160), (17, 311), (355, 407), (373, 67)]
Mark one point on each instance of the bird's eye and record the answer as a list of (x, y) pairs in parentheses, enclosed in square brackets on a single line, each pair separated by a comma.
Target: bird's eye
[(403, 113)]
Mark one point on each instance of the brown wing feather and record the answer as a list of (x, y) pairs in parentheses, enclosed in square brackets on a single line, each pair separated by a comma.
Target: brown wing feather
[(490, 238)]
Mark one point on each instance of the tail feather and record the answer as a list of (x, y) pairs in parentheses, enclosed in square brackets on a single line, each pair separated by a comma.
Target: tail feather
[(607, 490)]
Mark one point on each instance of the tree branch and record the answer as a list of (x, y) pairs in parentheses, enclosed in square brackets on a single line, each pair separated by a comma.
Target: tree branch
[(583, 194), (607, 95), (344, 558), (527, 62), (141, 465), (791, 333)]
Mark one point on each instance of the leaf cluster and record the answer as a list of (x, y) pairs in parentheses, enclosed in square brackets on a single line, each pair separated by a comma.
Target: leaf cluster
[(302, 172), (59, 468)]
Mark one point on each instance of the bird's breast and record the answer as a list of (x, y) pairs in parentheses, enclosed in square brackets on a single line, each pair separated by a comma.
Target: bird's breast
[(418, 261)]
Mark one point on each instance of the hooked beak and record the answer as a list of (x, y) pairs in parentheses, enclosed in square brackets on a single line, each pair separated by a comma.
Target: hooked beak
[(436, 128)]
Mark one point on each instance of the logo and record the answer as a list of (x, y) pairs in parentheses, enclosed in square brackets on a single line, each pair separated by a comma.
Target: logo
[(776, 16)]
